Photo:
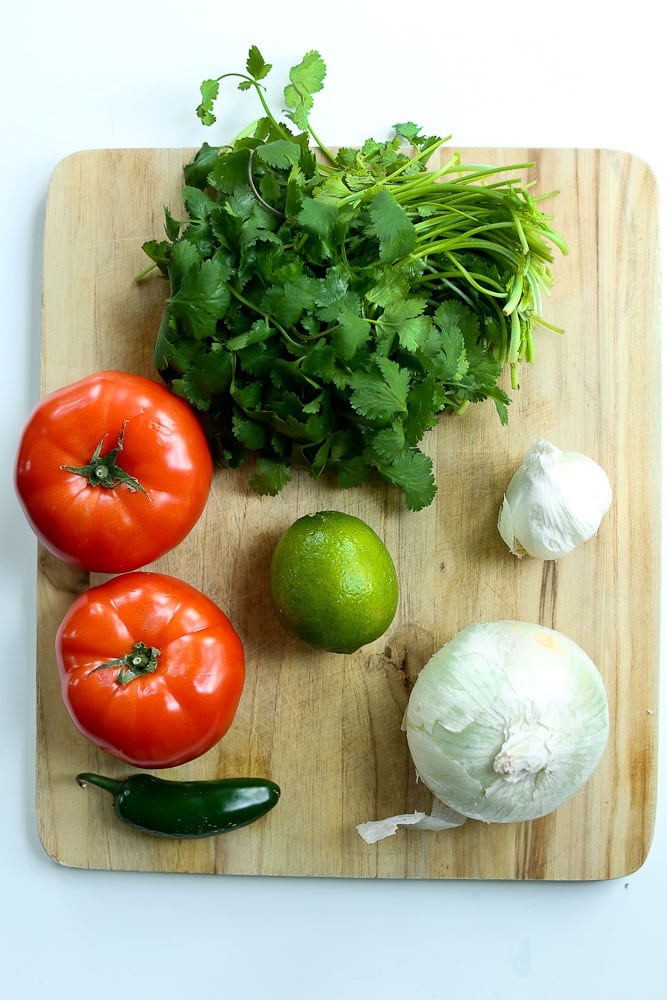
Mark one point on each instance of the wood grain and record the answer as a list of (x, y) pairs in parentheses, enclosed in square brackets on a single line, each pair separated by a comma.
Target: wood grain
[(327, 728)]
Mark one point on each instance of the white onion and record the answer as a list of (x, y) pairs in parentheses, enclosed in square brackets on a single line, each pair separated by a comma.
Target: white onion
[(507, 721)]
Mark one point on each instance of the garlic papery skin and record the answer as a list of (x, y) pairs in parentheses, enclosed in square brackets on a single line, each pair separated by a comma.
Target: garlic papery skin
[(507, 721), (554, 502)]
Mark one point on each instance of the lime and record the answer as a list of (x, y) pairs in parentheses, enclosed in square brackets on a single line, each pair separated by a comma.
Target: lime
[(333, 583)]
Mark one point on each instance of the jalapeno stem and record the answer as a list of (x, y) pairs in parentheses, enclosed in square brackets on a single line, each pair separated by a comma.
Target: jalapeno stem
[(109, 784)]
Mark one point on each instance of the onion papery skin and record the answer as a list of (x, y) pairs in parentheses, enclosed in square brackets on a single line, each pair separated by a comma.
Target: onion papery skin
[(507, 721)]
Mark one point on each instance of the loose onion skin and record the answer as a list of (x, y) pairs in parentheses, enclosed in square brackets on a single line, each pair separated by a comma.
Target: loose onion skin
[(507, 721)]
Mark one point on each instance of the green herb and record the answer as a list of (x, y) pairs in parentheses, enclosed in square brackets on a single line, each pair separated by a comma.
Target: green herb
[(327, 306)]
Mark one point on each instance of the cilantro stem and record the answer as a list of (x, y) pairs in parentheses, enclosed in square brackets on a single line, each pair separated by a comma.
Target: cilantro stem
[(259, 90), (253, 188), (469, 276), (435, 277), (520, 232), (142, 274), (423, 154), (443, 227), (515, 295), (324, 149), (515, 337), (431, 182), (269, 320), (447, 246), (548, 326)]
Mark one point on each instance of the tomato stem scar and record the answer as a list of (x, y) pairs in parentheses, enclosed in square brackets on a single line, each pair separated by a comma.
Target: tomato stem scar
[(140, 660), (103, 470)]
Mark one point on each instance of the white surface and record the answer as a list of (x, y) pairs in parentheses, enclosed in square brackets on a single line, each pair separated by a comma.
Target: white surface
[(76, 74)]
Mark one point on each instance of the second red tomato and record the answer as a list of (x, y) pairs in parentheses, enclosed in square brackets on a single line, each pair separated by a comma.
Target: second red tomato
[(151, 669)]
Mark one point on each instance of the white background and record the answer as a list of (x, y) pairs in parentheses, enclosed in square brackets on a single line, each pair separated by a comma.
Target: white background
[(76, 74)]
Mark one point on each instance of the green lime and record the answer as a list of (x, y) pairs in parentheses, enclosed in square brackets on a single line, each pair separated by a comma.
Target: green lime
[(333, 582)]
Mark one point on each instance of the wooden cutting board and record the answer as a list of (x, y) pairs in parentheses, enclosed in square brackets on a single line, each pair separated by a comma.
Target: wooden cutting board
[(327, 727)]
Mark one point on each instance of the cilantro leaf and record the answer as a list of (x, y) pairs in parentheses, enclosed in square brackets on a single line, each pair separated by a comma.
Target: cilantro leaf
[(197, 203), (197, 171), (405, 320), (350, 333), (250, 433), (331, 289), (209, 93), (320, 361), (204, 378), (270, 477), (202, 296), (172, 226), (426, 400), (385, 444), (412, 471), (394, 230), (306, 79), (408, 131), (165, 342), (279, 153), (380, 392), (353, 472), (390, 286), (257, 333), (255, 65), (288, 301), (320, 218), (158, 251)]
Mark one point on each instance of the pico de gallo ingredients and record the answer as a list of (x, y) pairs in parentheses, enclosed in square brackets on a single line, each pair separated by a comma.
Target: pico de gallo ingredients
[(151, 670), (326, 307), (112, 471), (186, 809)]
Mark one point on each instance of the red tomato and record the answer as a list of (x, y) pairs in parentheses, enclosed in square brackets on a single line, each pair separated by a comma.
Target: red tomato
[(151, 670), (112, 471)]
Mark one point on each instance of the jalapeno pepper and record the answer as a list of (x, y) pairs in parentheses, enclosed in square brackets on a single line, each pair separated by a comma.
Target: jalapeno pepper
[(186, 808)]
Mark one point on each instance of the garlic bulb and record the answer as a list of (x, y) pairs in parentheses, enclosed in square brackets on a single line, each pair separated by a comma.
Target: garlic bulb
[(554, 501)]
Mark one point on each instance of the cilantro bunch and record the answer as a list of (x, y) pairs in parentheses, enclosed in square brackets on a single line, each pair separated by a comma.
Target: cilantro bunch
[(327, 306)]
